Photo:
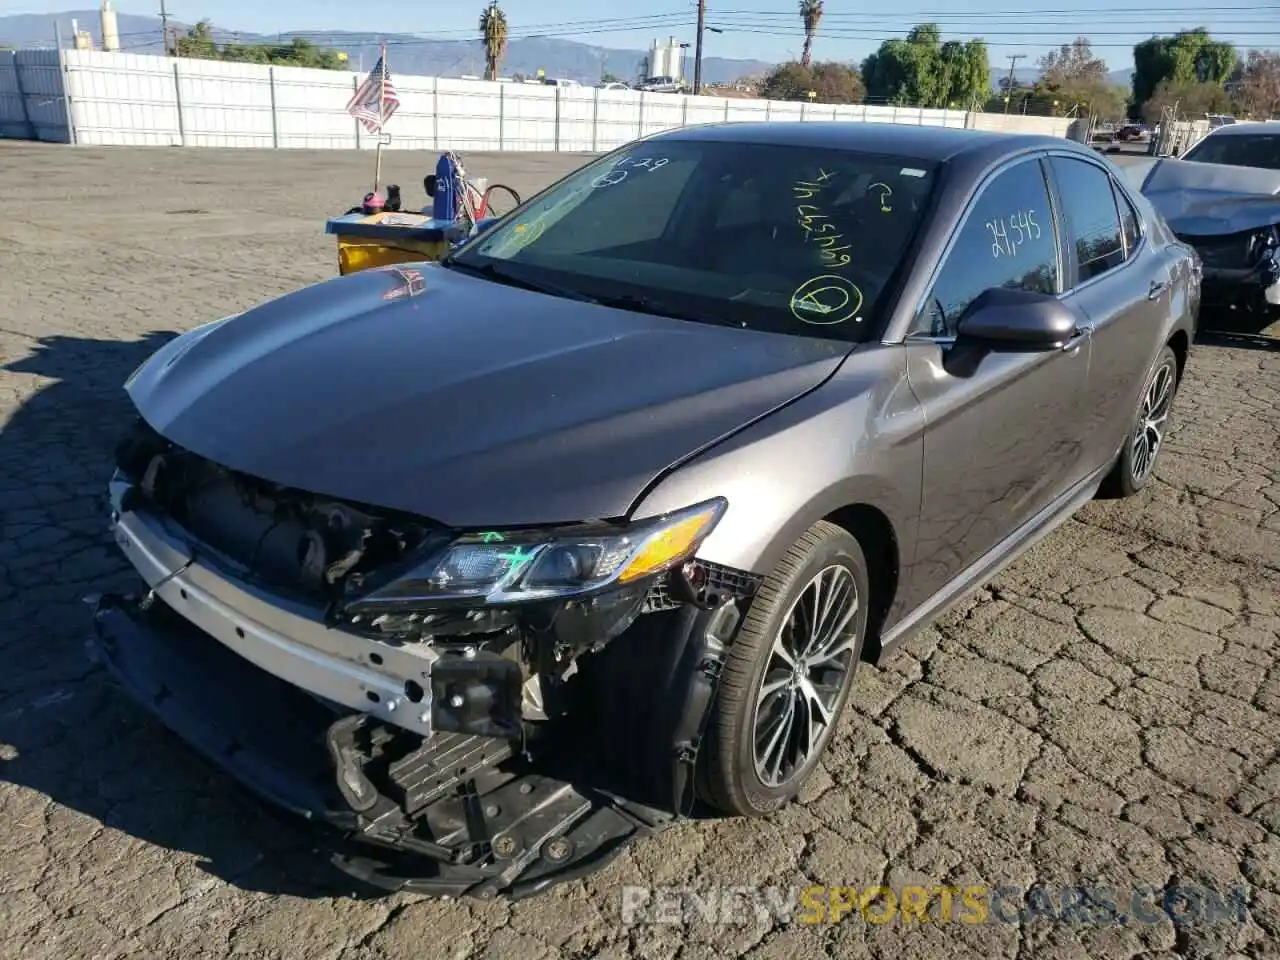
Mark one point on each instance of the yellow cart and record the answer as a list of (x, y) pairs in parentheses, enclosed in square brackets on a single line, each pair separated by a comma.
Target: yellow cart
[(387, 238)]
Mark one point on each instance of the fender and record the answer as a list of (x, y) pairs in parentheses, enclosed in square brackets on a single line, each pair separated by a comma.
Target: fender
[(824, 438)]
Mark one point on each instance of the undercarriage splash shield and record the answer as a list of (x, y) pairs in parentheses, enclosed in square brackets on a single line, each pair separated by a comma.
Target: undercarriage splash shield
[(452, 815)]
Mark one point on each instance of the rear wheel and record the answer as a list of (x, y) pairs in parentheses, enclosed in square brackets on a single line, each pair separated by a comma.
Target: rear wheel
[(788, 675), (1136, 464)]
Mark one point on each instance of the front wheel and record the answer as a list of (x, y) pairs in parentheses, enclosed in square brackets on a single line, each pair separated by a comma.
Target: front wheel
[(787, 676), (1136, 464)]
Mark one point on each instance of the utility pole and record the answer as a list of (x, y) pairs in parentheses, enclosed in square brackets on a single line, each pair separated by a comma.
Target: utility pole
[(697, 50), (164, 27), (1008, 93)]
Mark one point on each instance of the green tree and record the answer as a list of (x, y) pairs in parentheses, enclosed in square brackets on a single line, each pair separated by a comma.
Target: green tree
[(966, 73), (923, 71), (1188, 57), (1072, 63), (493, 28), (1189, 101), (810, 16), (1255, 85), (199, 44), (1077, 81), (830, 82)]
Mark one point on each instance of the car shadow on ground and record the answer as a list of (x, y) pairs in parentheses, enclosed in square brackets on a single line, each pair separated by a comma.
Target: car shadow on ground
[(1238, 341), (68, 735)]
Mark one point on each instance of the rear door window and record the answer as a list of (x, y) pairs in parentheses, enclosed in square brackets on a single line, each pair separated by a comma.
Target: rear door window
[(1090, 215), (1128, 221)]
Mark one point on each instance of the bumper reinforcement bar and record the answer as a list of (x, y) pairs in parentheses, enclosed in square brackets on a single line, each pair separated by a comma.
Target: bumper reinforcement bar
[(449, 815)]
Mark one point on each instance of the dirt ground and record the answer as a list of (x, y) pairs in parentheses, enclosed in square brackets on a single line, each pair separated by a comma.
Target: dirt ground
[(1107, 711)]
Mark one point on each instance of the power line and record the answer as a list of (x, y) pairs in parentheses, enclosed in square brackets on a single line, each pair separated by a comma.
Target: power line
[(769, 20), (1136, 26), (871, 33), (927, 15), (1008, 33), (1244, 39)]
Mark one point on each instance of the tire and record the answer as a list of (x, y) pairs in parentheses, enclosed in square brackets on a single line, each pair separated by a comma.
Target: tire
[(1134, 468), (728, 775)]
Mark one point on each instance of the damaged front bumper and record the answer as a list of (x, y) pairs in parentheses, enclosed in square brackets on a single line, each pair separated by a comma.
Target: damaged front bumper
[(287, 639), (1241, 270), (396, 745), (452, 815)]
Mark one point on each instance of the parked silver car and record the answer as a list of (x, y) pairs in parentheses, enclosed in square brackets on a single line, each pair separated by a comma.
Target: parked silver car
[(1223, 199), (498, 563)]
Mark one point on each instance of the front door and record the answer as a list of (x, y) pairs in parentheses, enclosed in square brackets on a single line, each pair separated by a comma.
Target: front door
[(1002, 434)]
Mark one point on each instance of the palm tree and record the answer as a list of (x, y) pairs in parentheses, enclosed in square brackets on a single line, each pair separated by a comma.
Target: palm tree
[(493, 27), (811, 15)]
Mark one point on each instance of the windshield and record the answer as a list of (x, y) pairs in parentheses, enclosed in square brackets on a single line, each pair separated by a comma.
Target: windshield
[(762, 236), (1239, 150)]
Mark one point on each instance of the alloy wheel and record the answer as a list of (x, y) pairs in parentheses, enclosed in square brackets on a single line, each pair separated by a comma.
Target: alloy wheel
[(806, 670), (1148, 435)]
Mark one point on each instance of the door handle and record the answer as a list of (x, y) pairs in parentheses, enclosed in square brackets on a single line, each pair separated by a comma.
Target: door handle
[(1157, 287)]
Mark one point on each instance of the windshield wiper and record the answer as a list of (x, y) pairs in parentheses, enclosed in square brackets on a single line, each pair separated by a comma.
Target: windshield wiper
[(504, 275), (643, 304)]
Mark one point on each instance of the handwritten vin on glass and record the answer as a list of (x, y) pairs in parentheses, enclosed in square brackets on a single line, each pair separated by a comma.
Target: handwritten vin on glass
[(626, 165), (1009, 233), (816, 224)]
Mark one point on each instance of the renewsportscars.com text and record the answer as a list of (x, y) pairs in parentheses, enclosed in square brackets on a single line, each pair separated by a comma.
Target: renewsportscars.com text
[(1082, 905)]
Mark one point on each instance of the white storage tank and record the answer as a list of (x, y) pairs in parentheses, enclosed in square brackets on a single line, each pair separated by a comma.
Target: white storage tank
[(110, 30), (659, 60)]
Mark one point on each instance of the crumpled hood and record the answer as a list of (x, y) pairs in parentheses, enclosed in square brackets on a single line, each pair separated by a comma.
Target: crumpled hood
[(465, 401), (1212, 199)]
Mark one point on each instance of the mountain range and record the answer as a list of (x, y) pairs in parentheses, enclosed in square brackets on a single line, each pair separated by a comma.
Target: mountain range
[(416, 55), (408, 54), (1028, 75)]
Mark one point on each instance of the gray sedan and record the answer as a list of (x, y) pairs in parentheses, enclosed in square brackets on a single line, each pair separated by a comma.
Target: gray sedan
[(497, 563)]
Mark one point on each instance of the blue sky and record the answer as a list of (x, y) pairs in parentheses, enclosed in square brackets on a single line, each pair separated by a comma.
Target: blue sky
[(765, 29)]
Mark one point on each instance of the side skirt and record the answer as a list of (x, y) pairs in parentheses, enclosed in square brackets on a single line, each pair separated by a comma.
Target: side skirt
[(991, 563)]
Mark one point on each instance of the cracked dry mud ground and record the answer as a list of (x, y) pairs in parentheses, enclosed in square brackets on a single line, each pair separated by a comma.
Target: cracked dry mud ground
[(1108, 709)]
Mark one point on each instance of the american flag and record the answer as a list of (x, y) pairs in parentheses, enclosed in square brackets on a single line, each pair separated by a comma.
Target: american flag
[(376, 87)]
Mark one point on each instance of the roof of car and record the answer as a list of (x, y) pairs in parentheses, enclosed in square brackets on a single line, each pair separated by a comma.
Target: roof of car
[(1246, 128), (922, 142)]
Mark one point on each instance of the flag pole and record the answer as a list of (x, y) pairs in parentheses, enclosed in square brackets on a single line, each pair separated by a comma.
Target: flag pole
[(382, 88)]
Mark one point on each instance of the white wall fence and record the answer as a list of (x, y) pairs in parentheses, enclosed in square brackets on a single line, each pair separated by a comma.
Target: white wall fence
[(95, 98)]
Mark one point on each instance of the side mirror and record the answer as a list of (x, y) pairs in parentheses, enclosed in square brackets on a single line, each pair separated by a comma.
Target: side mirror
[(1001, 318)]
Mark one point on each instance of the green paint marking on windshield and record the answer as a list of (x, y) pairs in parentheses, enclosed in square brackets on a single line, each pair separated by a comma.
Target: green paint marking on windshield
[(491, 537)]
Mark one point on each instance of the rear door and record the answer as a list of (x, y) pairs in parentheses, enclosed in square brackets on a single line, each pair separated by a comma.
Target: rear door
[(1122, 284), (1002, 436)]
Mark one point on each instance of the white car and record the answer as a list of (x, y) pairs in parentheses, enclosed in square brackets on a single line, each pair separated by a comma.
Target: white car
[(661, 85)]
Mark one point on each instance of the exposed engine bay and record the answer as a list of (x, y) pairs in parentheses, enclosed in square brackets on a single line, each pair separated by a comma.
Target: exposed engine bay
[(1230, 215), (1240, 269), (431, 713)]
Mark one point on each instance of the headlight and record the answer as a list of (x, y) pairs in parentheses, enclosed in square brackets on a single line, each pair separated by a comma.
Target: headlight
[(522, 566)]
